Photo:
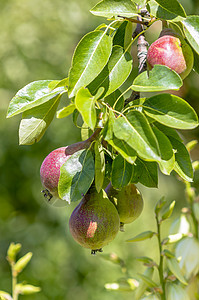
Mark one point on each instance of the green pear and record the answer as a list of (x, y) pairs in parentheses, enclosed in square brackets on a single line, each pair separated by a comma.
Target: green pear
[(95, 221), (128, 201)]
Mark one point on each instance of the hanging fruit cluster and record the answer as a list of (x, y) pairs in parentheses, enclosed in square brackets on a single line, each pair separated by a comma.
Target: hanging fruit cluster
[(98, 217)]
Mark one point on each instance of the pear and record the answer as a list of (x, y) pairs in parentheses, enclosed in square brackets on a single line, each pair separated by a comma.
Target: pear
[(171, 50), (128, 201), (95, 221), (50, 168)]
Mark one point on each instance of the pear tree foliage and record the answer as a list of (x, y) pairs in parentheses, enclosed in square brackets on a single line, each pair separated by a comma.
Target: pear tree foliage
[(136, 137)]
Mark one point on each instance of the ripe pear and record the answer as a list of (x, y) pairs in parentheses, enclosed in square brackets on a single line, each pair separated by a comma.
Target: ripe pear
[(128, 201), (50, 168), (95, 221), (171, 50)]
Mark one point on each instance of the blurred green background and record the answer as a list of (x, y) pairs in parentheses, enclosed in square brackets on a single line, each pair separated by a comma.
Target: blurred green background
[(37, 40)]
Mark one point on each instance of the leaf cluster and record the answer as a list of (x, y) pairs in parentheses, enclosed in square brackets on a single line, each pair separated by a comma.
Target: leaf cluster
[(135, 138)]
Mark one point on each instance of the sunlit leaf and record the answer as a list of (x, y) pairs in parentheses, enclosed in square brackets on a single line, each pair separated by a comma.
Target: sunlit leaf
[(35, 121), (161, 13), (166, 151), (32, 95), (191, 25), (172, 6), (171, 111), (123, 35), (85, 103), (58, 83), (183, 165), (135, 130), (160, 78), (76, 176), (114, 8), (65, 111), (90, 57), (115, 72)]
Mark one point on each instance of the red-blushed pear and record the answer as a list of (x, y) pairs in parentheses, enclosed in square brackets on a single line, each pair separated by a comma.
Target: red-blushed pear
[(50, 168), (171, 50), (95, 221), (128, 201)]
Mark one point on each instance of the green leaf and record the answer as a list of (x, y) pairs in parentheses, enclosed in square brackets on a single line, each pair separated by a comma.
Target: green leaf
[(27, 289), (58, 83), (174, 267), (65, 111), (148, 281), (120, 146), (86, 132), (172, 6), (76, 176), (85, 103), (112, 98), (115, 72), (167, 156), (36, 120), (32, 95), (183, 165), (168, 131), (22, 262), (136, 131), (143, 285), (99, 166), (191, 29), (123, 35), (171, 111), (146, 173), (143, 236), (159, 12), (121, 172), (168, 212), (75, 117), (114, 8), (196, 62), (123, 149), (90, 57), (160, 78)]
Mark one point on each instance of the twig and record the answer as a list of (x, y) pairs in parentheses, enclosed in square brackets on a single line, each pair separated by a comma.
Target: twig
[(141, 54)]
